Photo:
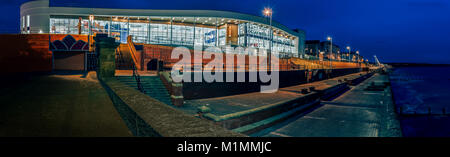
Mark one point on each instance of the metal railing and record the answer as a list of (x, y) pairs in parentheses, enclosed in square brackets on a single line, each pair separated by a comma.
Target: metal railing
[(136, 75)]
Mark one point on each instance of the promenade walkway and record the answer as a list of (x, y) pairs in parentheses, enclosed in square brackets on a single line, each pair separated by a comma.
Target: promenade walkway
[(58, 106), (357, 113)]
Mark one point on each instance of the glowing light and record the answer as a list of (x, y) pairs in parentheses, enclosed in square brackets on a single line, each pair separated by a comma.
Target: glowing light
[(91, 17), (267, 12)]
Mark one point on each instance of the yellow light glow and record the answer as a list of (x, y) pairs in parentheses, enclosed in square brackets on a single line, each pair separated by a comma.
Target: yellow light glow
[(91, 17), (267, 11)]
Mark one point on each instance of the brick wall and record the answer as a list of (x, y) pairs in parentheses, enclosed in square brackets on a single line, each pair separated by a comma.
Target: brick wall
[(28, 52)]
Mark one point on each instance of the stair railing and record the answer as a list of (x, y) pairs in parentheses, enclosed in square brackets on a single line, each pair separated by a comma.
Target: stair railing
[(136, 75)]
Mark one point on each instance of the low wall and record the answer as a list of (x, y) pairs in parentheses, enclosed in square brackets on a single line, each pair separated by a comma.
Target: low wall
[(146, 116), (199, 90)]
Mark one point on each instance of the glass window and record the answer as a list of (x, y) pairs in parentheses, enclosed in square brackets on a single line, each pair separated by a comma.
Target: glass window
[(119, 29)]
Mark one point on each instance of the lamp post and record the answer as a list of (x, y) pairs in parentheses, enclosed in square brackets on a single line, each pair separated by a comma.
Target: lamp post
[(331, 50), (91, 20), (348, 48), (339, 55), (357, 56), (268, 13)]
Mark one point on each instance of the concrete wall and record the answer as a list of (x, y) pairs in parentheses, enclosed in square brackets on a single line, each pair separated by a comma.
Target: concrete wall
[(197, 90)]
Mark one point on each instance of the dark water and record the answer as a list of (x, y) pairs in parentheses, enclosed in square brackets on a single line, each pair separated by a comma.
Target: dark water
[(422, 95)]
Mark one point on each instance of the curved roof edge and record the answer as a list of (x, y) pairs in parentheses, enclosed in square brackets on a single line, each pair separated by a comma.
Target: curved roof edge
[(153, 12)]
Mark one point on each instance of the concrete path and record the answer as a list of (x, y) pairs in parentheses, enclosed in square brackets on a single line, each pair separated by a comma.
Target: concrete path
[(58, 106), (357, 113)]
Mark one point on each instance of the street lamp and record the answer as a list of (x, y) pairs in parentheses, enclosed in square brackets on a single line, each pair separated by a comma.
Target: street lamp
[(348, 48), (331, 48), (91, 20), (268, 13), (357, 55)]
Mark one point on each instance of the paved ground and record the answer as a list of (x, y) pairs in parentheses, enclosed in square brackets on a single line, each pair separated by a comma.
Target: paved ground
[(57, 105), (357, 113), (242, 102)]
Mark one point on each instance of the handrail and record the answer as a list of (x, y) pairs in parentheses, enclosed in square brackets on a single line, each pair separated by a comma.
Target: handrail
[(136, 75), (133, 51)]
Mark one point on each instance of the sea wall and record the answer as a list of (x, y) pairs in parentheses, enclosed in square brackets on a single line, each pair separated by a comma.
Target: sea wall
[(197, 90)]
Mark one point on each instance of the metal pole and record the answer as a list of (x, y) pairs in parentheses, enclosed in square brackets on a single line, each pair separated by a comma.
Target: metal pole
[(270, 45), (331, 50)]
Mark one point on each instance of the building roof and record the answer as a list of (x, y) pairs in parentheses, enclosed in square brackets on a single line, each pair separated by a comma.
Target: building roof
[(42, 6)]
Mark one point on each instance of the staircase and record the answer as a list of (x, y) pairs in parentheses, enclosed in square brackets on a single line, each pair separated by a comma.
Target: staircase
[(153, 87), (124, 60)]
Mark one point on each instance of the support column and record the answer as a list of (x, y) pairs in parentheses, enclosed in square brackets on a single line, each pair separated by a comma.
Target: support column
[(109, 27), (195, 22), (105, 47), (128, 27), (171, 30), (149, 29)]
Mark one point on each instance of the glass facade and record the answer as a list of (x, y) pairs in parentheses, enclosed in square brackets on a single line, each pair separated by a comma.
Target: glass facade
[(183, 31)]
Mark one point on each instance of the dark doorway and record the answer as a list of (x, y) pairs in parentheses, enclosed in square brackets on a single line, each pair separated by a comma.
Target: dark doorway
[(152, 65)]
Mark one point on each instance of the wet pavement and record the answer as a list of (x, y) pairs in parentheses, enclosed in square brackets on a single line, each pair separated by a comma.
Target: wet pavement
[(357, 113)]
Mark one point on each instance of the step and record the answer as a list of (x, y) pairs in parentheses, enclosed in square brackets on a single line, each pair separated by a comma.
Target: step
[(157, 94), (265, 123), (246, 117)]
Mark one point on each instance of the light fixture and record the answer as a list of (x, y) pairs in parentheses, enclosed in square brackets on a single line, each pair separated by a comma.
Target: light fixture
[(267, 12), (91, 18)]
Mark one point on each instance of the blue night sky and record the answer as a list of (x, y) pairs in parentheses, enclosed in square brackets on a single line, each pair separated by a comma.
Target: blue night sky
[(394, 30)]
